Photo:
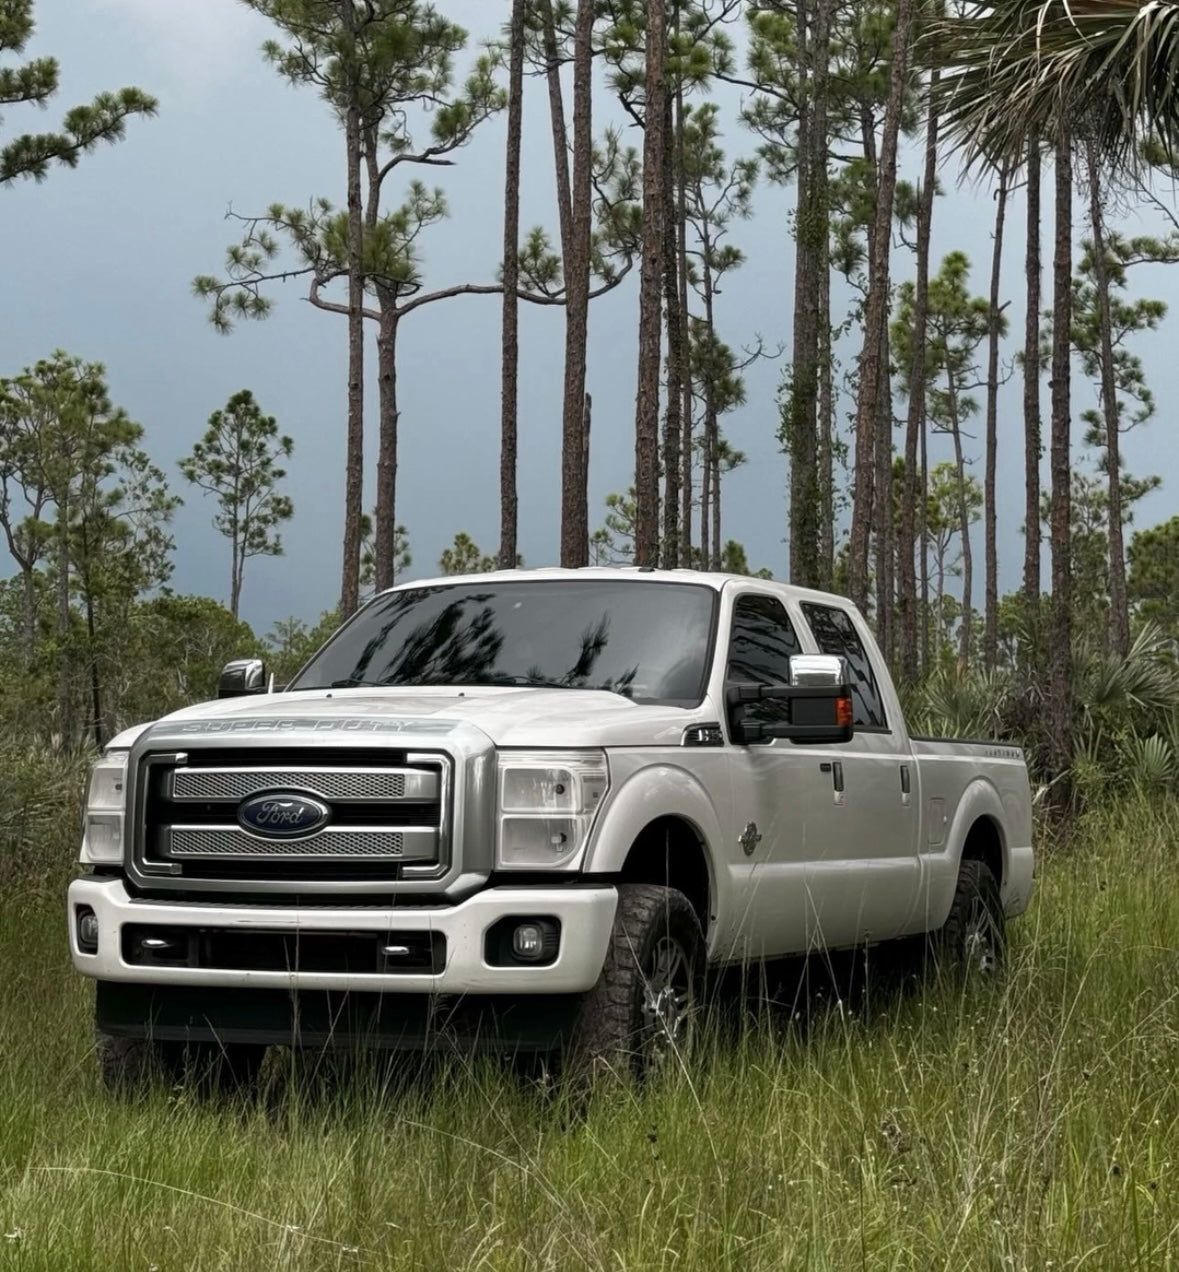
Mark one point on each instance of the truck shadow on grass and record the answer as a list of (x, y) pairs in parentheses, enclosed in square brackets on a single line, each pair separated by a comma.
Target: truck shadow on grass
[(780, 1003)]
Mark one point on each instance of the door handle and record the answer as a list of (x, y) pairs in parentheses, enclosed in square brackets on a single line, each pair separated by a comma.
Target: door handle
[(835, 768)]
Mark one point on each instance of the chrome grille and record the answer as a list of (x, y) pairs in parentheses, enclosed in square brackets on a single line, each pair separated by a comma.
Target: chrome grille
[(387, 821), (186, 842), (203, 785)]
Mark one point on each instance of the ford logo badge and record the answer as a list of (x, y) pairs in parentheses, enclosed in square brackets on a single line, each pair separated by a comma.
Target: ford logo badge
[(282, 815)]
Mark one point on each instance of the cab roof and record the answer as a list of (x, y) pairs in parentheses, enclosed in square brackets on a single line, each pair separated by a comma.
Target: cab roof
[(637, 573)]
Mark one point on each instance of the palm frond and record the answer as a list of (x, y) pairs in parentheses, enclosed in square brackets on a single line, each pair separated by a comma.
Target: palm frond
[(1011, 69)]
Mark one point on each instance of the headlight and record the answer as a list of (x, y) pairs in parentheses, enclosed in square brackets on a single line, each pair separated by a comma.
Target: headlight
[(547, 804), (102, 832)]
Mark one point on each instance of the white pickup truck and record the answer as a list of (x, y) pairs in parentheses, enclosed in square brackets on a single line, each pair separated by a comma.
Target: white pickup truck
[(527, 809)]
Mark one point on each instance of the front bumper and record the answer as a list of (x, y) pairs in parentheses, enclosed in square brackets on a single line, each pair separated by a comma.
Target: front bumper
[(585, 914)]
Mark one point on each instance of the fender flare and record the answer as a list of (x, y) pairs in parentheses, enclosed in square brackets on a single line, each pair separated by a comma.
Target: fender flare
[(663, 790), (980, 799)]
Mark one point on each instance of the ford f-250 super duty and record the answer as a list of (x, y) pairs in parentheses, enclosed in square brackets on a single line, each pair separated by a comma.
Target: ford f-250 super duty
[(527, 809)]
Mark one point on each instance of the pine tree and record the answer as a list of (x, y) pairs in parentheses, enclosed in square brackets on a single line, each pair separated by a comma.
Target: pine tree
[(34, 83), (237, 461)]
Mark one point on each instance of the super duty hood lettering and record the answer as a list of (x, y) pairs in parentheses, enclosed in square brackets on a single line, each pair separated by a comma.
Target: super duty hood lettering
[(314, 724)]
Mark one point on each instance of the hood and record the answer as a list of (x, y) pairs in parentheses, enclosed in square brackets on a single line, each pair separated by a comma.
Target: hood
[(510, 717)]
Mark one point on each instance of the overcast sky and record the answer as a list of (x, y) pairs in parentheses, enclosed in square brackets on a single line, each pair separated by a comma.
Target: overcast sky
[(99, 261)]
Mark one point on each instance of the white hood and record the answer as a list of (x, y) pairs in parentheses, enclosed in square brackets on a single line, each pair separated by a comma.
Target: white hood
[(510, 717)]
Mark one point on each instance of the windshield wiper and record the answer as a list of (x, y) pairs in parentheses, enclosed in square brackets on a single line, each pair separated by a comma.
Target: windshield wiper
[(530, 682)]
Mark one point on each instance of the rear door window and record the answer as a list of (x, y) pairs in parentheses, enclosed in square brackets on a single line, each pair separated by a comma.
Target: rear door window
[(835, 633)]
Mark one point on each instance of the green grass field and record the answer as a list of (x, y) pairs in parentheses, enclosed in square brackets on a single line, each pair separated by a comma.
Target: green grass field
[(1032, 1124)]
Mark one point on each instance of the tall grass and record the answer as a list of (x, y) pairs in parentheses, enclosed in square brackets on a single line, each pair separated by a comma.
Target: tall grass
[(1030, 1124)]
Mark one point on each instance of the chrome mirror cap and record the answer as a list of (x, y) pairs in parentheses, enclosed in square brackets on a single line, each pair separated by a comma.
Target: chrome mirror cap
[(818, 671)]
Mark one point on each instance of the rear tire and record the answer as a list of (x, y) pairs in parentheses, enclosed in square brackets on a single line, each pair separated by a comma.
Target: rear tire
[(639, 1015), (972, 941)]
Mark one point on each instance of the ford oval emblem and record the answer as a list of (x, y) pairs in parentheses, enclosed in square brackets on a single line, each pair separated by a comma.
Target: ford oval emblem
[(282, 815)]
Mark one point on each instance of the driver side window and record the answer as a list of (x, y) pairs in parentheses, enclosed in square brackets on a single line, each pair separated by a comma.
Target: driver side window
[(761, 642)]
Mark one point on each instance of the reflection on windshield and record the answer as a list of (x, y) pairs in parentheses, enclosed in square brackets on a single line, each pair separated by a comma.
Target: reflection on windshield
[(647, 641)]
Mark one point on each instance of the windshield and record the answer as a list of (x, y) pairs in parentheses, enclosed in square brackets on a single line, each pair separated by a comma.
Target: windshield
[(647, 641)]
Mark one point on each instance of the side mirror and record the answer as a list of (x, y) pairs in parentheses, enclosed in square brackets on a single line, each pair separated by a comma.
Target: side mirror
[(242, 676), (819, 706)]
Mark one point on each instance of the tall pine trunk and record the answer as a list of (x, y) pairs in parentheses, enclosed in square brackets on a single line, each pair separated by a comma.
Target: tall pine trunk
[(876, 316), (991, 621), (1119, 611), (385, 529), (354, 461), (826, 422), (673, 412), (706, 486), (923, 531), (1031, 400), (650, 283), (510, 330), (557, 118), (915, 418), (882, 482), (965, 632), (802, 406), (686, 408), (65, 699), (1060, 688), (574, 507)]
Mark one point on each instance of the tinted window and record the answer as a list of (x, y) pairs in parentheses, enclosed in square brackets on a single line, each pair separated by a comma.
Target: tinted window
[(836, 634), (648, 641), (760, 647)]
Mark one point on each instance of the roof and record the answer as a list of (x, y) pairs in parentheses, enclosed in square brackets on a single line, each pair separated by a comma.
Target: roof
[(638, 573)]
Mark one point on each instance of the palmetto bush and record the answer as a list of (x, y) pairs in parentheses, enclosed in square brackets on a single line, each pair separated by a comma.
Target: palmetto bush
[(40, 816), (1125, 724)]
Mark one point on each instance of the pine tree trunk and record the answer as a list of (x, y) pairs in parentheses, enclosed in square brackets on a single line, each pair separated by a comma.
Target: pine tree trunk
[(915, 418), (923, 531), (510, 334), (714, 446), (63, 626), (28, 615), (574, 508), (95, 680), (557, 118), (673, 412), (820, 204), (802, 406), (686, 407), (706, 488), (991, 621), (235, 579), (884, 510), (1031, 399), (650, 281), (876, 317), (385, 529), (354, 461), (966, 629), (586, 420), (709, 495), (1060, 690), (1119, 611)]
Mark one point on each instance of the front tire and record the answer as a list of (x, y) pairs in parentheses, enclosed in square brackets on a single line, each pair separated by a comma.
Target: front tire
[(638, 1016), (972, 940)]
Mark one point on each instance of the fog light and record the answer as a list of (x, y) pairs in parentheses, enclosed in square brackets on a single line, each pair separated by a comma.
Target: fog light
[(87, 930), (528, 942)]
